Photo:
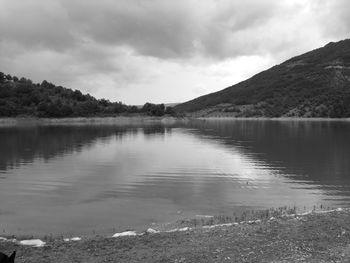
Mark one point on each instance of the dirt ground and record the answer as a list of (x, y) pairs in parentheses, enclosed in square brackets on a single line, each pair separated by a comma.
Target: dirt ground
[(316, 237)]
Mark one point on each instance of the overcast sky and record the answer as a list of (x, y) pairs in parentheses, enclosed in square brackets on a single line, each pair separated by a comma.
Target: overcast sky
[(160, 50)]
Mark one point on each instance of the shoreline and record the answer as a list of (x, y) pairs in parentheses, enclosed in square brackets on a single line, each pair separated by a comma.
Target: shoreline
[(139, 119), (313, 236), (117, 120), (274, 119), (174, 224)]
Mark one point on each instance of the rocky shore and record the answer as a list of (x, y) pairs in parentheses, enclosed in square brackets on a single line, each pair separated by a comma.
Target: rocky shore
[(322, 236)]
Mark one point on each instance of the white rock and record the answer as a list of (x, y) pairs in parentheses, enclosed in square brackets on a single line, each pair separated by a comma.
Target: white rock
[(32, 242), (72, 239), (220, 225), (183, 229), (253, 222), (178, 230), (124, 234), (305, 213), (152, 231), (7, 240)]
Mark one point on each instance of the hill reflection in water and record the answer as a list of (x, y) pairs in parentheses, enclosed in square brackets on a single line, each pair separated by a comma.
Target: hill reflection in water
[(79, 179)]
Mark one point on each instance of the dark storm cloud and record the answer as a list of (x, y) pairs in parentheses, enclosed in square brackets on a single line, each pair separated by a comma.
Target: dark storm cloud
[(158, 28), (155, 28), (171, 29)]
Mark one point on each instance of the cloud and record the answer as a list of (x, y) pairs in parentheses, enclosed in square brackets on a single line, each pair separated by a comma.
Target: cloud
[(160, 50), (155, 28), (35, 24), (335, 17), (159, 28), (172, 29)]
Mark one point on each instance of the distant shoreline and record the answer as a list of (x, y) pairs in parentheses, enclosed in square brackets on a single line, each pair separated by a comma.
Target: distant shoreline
[(271, 118), (147, 119), (117, 120)]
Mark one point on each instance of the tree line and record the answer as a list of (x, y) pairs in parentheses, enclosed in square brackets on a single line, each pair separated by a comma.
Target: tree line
[(22, 97)]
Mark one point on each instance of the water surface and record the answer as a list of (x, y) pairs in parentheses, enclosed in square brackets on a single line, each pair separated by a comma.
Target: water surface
[(76, 179)]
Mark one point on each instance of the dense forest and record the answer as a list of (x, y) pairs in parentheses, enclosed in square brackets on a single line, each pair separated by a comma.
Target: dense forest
[(22, 97), (315, 84)]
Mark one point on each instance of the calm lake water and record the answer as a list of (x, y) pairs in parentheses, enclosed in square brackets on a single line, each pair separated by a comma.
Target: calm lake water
[(106, 178)]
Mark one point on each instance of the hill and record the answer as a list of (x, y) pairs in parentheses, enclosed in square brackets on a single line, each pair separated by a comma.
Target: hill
[(315, 84), (22, 97)]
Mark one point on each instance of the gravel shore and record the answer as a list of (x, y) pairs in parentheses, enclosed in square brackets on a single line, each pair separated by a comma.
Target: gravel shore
[(309, 237)]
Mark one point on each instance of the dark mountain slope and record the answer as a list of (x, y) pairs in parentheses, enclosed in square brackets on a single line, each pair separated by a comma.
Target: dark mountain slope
[(315, 84)]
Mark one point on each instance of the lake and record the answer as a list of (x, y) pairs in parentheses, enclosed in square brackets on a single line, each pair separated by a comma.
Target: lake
[(105, 178)]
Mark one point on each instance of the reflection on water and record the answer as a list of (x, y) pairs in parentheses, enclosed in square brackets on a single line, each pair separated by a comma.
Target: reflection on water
[(80, 179), (308, 152)]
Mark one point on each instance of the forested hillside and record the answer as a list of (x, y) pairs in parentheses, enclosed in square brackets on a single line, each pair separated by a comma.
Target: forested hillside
[(315, 84), (22, 97)]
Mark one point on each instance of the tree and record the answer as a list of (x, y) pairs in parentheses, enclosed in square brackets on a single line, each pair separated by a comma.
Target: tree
[(133, 109), (169, 110), (2, 77), (153, 109), (22, 97), (8, 77)]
